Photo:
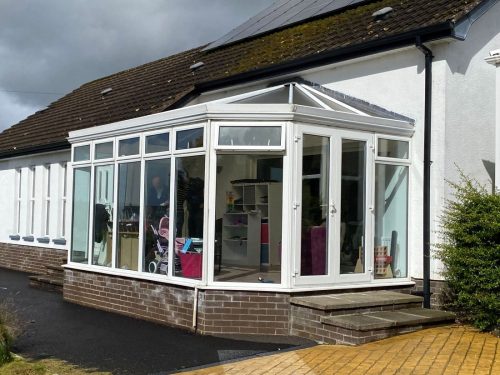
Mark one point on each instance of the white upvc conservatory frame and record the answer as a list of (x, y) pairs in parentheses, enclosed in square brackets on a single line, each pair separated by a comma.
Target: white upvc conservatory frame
[(211, 116)]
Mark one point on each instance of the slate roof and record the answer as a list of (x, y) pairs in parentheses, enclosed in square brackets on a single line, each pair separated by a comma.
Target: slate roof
[(166, 83)]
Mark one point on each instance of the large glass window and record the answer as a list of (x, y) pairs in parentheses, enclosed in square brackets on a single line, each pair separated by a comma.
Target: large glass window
[(391, 221), (103, 215), (248, 218), (189, 208), (128, 211), (156, 216), (315, 203), (352, 216), (81, 214)]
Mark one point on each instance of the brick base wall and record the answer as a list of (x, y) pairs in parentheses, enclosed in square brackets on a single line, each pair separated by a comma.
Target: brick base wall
[(438, 292), (156, 302), (30, 259), (233, 312)]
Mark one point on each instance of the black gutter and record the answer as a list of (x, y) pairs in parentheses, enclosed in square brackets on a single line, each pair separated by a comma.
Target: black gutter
[(59, 146), (427, 172), (426, 34)]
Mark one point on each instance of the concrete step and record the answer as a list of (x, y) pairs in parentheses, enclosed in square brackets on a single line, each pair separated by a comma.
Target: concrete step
[(381, 320), (45, 282), (361, 301), (53, 270)]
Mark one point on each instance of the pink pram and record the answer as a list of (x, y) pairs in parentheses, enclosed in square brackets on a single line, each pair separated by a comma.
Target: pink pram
[(160, 263)]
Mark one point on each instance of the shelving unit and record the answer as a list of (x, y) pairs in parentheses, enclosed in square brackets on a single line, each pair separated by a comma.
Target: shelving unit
[(257, 220)]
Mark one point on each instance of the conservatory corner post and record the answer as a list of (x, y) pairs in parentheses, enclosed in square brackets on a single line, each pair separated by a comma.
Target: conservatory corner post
[(494, 59)]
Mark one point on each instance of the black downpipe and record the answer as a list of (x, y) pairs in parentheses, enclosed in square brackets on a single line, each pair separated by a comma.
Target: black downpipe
[(427, 173)]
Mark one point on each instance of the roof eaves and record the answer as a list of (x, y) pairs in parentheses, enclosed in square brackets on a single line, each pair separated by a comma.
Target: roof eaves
[(463, 25), (51, 147)]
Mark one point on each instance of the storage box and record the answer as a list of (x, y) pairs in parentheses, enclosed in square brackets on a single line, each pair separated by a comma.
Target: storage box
[(191, 264)]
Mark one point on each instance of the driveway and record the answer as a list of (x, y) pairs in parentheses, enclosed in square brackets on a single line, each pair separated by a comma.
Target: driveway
[(109, 342)]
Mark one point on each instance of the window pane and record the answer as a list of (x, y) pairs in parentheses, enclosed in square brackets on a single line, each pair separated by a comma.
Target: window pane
[(156, 222), (103, 215), (81, 211), (389, 148), (157, 143), (391, 221), (103, 150), (191, 138), (315, 204), (352, 216), (248, 218), (128, 147), (189, 200), (128, 210), (250, 136), (81, 153)]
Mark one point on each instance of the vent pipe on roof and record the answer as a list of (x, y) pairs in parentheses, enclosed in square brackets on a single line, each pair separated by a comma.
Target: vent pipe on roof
[(382, 13), (106, 91), (196, 66), (426, 268)]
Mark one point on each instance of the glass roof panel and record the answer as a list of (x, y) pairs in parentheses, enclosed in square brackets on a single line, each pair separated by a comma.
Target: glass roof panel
[(280, 96)]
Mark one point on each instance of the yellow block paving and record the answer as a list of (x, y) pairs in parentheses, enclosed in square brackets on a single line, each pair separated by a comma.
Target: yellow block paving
[(443, 350)]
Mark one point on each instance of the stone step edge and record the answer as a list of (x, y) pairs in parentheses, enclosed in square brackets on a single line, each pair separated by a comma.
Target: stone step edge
[(373, 321), (54, 267), (47, 280), (404, 299)]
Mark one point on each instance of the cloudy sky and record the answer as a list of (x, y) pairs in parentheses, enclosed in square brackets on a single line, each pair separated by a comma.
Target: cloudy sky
[(50, 47)]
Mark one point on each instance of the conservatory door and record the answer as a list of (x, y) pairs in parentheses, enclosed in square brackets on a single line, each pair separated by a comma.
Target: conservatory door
[(331, 210)]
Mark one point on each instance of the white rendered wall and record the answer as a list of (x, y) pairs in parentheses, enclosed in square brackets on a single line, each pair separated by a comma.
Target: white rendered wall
[(8, 197)]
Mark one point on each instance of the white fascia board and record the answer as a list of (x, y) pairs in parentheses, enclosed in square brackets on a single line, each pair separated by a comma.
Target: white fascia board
[(353, 121), (243, 112)]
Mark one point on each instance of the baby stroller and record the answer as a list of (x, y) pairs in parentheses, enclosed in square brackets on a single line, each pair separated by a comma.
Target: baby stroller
[(160, 263)]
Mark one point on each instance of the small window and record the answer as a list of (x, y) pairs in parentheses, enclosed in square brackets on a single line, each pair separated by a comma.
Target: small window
[(103, 150), (250, 136), (157, 143), (191, 138), (390, 148), (81, 153), (129, 146)]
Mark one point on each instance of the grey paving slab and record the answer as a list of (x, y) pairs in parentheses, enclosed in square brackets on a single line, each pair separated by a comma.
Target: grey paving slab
[(343, 301), (358, 322)]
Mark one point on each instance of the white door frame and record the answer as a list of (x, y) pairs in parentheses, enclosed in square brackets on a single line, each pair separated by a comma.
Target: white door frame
[(334, 201)]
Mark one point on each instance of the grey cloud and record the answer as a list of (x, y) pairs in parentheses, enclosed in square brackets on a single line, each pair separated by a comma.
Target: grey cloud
[(56, 45)]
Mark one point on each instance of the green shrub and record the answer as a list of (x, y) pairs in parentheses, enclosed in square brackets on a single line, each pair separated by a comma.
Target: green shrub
[(470, 253), (9, 328)]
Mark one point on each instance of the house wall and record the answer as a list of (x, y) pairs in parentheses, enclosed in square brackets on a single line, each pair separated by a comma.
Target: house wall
[(32, 256)]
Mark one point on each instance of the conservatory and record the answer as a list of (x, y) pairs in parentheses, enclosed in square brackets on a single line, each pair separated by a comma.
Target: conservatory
[(290, 187)]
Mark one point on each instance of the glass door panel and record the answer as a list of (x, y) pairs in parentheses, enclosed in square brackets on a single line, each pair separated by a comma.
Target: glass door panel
[(314, 256), (353, 207)]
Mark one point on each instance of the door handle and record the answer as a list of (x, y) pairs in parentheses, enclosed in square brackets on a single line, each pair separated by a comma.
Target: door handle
[(333, 209)]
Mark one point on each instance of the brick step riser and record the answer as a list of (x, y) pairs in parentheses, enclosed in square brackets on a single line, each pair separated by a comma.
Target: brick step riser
[(57, 273)]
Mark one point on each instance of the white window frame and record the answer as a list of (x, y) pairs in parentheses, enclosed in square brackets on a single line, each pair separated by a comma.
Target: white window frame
[(128, 157), (46, 200), (237, 148), (178, 129), (18, 200), (63, 168), (77, 163), (161, 153), (393, 138), (31, 201), (99, 142)]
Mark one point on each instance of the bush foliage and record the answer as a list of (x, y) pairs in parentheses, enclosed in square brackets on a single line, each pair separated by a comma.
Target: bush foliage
[(470, 253)]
